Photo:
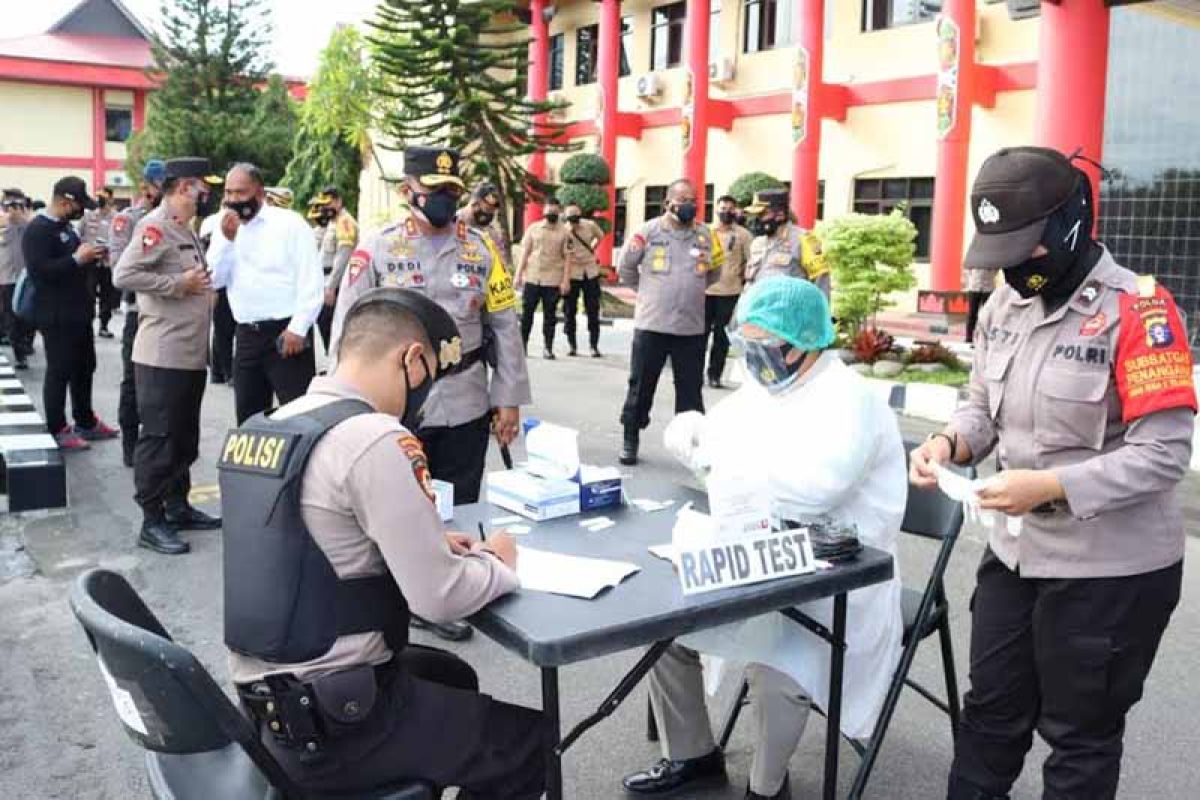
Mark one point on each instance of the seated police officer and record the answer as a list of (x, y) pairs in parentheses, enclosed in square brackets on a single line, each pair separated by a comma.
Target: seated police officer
[(331, 537)]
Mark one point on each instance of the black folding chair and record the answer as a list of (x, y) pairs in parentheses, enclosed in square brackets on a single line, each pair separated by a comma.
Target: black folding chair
[(930, 515), (198, 745)]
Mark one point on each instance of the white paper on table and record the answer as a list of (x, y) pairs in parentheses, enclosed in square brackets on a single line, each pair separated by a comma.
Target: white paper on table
[(650, 506), (664, 551), (500, 522), (574, 576)]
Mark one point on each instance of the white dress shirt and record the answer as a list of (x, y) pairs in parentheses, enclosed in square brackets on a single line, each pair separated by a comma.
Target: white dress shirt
[(271, 270)]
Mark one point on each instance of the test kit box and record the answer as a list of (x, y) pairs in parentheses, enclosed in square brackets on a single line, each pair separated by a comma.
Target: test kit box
[(599, 487), (533, 496), (554, 453), (444, 498)]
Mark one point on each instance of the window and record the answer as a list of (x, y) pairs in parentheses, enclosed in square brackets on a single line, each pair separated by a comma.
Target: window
[(556, 61), (626, 45), (666, 36), (656, 198), (118, 124), (620, 217), (714, 33), (820, 197), (710, 204), (882, 14), (586, 53), (768, 24), (880, 196)]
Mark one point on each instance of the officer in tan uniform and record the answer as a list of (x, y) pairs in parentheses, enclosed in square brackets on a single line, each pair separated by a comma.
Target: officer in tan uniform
[(722, 297), (457, 267), (779, 247), (671, 262), (330, 498), (337, 243), (96, 228), (583, 238), (15, 330), (1082, 384), (483, 212), (165, 265), (545, 245)]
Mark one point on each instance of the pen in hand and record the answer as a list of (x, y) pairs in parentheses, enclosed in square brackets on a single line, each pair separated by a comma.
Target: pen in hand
[(482, 535)]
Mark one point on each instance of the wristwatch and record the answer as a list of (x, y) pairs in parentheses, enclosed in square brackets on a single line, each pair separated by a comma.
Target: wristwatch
[(950, 440)]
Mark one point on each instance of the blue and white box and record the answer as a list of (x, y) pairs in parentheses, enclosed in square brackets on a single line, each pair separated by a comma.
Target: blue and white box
[(533, 496), (553, 452)]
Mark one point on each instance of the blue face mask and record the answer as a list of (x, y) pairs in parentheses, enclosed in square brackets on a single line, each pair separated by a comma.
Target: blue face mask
[(767, 362)]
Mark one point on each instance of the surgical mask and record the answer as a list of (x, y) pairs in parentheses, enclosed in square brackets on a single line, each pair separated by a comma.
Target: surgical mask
[(767, 362), (415, 399), (685, 212), (484, 218), (437, 207), (1057, 272), (573, 218), (245, 209), (552, 217), (727, 217)]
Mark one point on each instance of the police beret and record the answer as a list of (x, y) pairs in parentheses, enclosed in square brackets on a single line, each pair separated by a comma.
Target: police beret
[(433, 166)]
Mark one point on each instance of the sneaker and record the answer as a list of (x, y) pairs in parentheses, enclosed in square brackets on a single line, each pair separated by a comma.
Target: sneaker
[(69, 441), (97, 432)]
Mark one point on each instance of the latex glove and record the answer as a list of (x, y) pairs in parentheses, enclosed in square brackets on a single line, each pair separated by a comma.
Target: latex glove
[(682, 439)]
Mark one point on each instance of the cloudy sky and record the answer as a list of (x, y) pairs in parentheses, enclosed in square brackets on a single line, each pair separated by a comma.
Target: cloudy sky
[(301, 26)]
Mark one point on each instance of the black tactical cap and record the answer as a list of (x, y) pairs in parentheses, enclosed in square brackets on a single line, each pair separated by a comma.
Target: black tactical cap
[(190, 168), (438, 324), (1016, 190), (773, 199), (74, 188), (433, 166)]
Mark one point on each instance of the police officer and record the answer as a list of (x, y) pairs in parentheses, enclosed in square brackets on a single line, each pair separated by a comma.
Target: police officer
[(671, 261), (545, 245), (722, 297), (96, 228), (343, 701), (483, 212), (165, 265), (583, 238), (1082, 382), (123, 223), (12, 264), (779, 244), (337, 243)]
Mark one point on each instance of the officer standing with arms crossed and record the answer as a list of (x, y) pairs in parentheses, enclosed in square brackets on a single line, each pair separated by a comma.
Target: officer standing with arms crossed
[(671, 262), (165, 265), (722, 297), (123, 224), (583, 239), (545, 244), (778, 247), (458, 268), (1083, 380), (343, 701)]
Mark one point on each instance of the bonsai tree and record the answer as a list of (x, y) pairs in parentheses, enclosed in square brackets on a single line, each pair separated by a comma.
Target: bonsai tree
[(870, 257), (584, 181), (745, 186)]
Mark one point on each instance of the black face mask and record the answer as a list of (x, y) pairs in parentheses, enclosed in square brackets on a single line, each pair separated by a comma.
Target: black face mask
[(75, 214), (325, 217), (552, 218), (416, 397), (574, 218), (484, 218), (765, 227), (727, 217), (685, 213), (1068, 238), (101, 202), (438, 207), (245, 209)]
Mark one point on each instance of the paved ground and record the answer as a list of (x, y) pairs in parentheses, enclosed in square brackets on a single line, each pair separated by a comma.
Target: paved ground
[(59, 737)]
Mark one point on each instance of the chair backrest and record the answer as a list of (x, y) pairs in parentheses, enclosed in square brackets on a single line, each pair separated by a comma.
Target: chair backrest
[(165, 698), (930, 513)]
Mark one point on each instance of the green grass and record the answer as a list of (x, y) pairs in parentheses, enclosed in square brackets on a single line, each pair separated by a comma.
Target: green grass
[(953, 377)]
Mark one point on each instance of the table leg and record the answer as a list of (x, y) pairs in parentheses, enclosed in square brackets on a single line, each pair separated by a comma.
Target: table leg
[(833, 735), (553, 731)]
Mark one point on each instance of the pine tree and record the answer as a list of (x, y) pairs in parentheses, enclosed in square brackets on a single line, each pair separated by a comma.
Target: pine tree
[(333, 134), (452, 72), (211, 65)]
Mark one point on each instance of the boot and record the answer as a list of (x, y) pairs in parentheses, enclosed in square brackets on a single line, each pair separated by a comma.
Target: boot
[(784, 793), (186, 518), (629, 448), (158, 535), (959, 789)]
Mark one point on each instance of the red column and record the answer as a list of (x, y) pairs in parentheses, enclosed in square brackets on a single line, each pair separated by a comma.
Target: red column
[(539, 82), (1072, 77), (955, 97), (139, 109), (694, 117), (98, 137), (806, 114), (609, 69)]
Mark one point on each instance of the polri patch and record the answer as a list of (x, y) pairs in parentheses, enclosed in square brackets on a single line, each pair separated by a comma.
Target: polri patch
[(257, 452), (415, 452), (151, 236)]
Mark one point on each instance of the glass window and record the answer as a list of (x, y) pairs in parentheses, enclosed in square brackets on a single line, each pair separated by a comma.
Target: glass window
[(556, 61), (118, 124), (620, 216), (586, 53), (656, 198), (881, 14), (714, 32), (768, 24), (666, 36), (710, 202), (626, 44), (880, 196), (820, 197)]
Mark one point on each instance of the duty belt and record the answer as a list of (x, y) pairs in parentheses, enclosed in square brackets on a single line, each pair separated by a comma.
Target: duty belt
[(1053, 507)]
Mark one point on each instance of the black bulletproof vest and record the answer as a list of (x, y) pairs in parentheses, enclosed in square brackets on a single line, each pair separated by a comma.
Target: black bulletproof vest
[(283, 601)]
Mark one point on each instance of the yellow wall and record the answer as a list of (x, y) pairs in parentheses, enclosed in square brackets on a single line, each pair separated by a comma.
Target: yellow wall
[(49, 120), (37, 181)]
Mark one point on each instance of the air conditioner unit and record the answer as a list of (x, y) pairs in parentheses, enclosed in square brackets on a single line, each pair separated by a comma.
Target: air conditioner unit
[(1024, 9), (649, 85), (720, 70), (117, 179)]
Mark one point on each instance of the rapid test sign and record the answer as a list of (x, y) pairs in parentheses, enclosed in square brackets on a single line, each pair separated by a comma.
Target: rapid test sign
[(712, 565)]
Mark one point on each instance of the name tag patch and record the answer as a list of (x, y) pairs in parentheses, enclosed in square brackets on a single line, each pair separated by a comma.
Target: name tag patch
[(257, 452)]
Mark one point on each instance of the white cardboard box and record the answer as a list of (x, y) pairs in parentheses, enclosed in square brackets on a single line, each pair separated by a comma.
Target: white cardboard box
[(444, 494), (531, 496)]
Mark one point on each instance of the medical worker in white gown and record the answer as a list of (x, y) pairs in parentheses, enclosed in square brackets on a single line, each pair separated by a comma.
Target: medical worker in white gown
[(830, 447)]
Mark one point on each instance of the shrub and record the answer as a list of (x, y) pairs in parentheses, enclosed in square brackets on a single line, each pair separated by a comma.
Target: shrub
[(589, 198), (744, 188), (585, 168), (933, 353), (871, 344), (870, 257)]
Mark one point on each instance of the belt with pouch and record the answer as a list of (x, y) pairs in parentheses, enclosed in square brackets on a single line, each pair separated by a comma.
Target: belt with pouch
[(299, 714)]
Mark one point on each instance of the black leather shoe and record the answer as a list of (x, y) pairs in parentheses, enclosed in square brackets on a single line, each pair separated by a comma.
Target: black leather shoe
[(715, 383), (573, 353), (104, 333), (629, 448), (192, 519), (548, 354), (668, 777), (21, 364), (784, 793), (959, 789), (450, 631), (596, 353), (160, 537), (218, 378)]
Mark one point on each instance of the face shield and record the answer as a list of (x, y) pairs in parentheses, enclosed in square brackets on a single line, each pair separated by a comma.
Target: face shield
[(767, 359)]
